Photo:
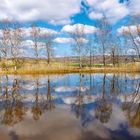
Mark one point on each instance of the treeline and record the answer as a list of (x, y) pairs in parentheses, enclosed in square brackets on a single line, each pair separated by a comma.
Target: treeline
[(12, 42), (105, 42)]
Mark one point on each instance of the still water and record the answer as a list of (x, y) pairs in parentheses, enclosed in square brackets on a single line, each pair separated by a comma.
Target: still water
[(70, 107)]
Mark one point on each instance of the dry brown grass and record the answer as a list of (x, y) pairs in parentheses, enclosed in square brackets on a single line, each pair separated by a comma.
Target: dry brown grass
[(61, 69)]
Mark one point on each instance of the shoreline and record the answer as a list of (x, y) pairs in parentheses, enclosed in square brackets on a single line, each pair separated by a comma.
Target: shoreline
[(70, 70)]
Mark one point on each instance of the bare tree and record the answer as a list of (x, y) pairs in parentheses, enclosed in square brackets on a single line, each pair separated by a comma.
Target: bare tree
[(10, 42), (91, 49), (132, 34), (4, 43), (104, 36), (114, 50), (79, 40), (136, 40), (35, 34), (15, 42), (47, 39)]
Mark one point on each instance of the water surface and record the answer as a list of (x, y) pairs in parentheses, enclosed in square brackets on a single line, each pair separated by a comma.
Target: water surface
[(70, 107)]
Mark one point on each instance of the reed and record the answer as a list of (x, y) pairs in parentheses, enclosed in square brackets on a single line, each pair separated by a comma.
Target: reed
[(62, 69)]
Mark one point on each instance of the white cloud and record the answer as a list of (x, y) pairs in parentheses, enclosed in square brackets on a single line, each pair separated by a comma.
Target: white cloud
[(113, 10), (63, 40), (131, 52), (27, 44), (27, 48), (48, 31), (70, 40), (82, 40), (61, 11), (134, 7), (95, 15), (87, 29), (137, 40), (1, 33), (30, 44), (43, 31), (133, 29), (26, 32), (53, 11)]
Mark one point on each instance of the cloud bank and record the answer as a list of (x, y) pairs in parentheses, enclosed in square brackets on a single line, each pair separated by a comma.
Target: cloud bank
[(53, 11), (61, 11)]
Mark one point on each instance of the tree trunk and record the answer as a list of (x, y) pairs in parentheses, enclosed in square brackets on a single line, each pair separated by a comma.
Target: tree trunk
[(104, 63), (90, 59)]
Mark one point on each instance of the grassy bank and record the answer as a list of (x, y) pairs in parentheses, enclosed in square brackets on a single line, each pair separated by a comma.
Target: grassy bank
[(61, 69)]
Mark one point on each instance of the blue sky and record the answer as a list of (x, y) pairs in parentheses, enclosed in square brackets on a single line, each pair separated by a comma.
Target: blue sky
[(59, 14)]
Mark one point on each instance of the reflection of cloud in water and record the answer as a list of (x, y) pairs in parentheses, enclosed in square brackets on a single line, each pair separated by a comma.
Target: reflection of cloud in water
[(70, 89), (133, 76), (98, 131), (117, 118), (134, 98), (30, 82), (31, 97), (4, 135), (86, 99), (65, 89), (9, 88), (59, 124), (134, 131), (31, 86), (62, 124), (43, 78)]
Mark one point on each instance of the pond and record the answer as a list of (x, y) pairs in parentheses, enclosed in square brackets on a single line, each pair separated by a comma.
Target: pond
[(70, 107)]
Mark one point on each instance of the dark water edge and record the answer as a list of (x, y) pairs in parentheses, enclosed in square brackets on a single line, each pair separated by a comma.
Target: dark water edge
[(70, 107)]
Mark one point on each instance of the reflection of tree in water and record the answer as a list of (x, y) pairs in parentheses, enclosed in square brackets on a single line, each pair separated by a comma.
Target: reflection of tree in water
[(135, 119), (37, 109), (41, 105), (14, 109), (132, 109), (103, 110), (5, 95), (49, 103), (79, 108), (103, 107), (114, 87), (13, 106)]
